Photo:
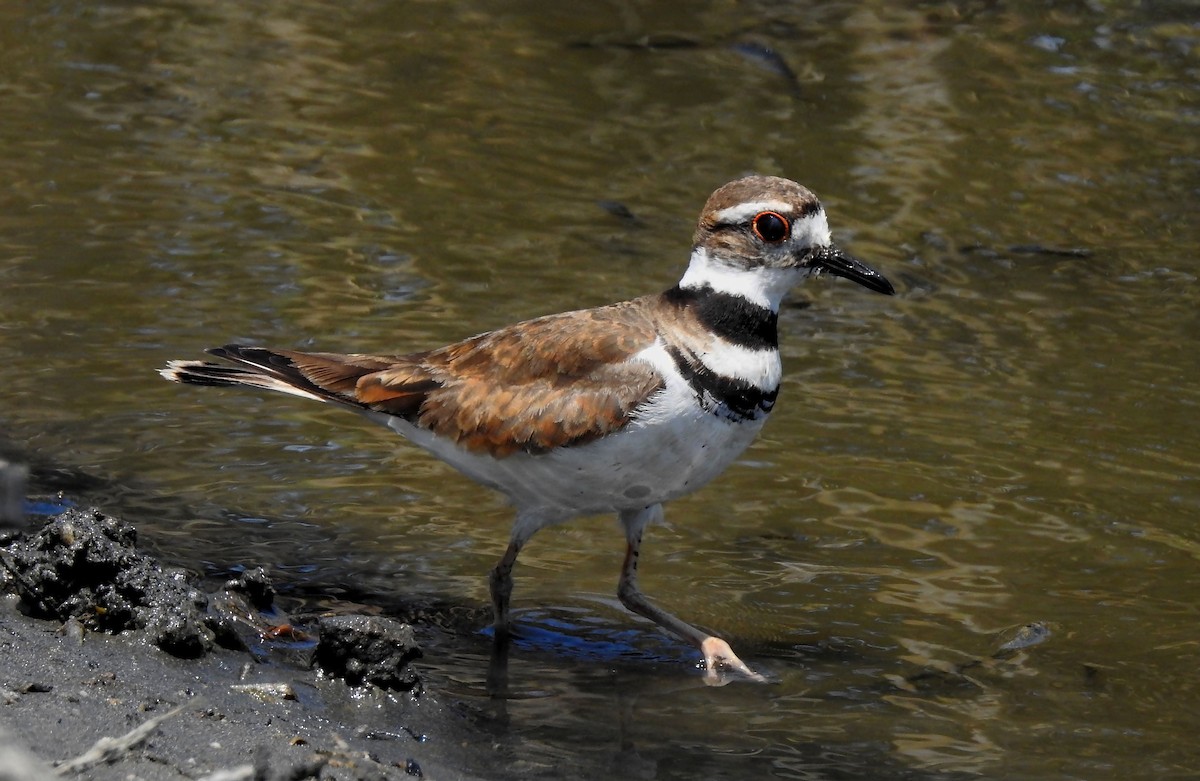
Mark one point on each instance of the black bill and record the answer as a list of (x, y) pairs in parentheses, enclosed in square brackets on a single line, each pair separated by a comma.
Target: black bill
[(831, 260)]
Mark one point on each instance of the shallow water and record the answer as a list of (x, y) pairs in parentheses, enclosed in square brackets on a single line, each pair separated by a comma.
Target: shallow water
[(1010, 440)]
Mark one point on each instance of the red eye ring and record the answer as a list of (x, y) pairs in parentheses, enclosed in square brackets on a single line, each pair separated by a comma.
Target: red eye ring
[(771, 227)]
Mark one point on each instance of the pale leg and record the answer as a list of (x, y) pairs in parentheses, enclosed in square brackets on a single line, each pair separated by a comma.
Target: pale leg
[(717, 653)]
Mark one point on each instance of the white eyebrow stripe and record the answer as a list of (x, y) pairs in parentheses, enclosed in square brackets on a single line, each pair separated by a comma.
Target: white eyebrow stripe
[(744, 211), (812, 229)]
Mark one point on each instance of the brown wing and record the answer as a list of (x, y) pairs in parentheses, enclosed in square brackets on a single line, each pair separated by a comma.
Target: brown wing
[(552, 382)]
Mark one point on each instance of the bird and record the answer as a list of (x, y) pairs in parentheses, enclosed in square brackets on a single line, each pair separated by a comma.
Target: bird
[(612, 409)]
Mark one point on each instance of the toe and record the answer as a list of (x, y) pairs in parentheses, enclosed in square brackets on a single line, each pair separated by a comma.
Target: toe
[(718, 657)]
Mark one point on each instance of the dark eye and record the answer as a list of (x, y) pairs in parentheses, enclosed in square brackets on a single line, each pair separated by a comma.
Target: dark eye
[(770, 227)]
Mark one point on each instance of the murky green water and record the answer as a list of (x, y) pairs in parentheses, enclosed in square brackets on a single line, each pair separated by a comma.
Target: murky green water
[(1012, 439)]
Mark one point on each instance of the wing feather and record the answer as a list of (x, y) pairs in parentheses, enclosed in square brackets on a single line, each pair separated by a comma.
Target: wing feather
[(552, 382)]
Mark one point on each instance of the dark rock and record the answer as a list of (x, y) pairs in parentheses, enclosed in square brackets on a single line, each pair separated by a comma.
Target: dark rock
[(229, 619), (243, 614), (85, 565), (369, 649), (256, 585)]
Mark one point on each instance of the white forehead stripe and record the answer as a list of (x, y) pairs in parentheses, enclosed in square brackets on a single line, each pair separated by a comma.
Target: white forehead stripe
[(744, 211), (812, 230)]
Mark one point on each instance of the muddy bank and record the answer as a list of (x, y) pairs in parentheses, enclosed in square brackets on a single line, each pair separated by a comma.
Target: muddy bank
[(117, 666)]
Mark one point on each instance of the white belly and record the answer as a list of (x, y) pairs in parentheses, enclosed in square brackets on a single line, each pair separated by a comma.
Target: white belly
[(642, 465), (672, 447)]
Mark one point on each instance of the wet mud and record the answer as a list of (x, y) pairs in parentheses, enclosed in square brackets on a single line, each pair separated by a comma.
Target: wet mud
[(119, 666)]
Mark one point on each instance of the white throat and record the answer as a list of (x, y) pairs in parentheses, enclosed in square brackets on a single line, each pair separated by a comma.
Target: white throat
[(762, 286)]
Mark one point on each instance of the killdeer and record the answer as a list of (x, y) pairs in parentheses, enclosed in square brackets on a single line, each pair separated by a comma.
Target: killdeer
[(614, 409)]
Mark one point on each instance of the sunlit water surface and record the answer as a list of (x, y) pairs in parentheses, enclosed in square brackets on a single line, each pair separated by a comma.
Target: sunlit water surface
[(1010, 441)]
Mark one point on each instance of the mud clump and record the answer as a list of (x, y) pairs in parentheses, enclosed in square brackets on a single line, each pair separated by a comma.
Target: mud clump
[(369, 649), (256, 585), (85, 565)]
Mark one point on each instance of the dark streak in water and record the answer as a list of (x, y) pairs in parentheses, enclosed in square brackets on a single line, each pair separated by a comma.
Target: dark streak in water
[(769, 59), (761, 54), (1038, 249)]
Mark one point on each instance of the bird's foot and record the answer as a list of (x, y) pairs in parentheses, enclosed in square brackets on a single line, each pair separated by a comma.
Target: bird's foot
[(503, 631), (720, 659)]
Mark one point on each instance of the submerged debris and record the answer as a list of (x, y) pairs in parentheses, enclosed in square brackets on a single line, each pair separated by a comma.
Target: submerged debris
[(1021, 637), (1062, 252)]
